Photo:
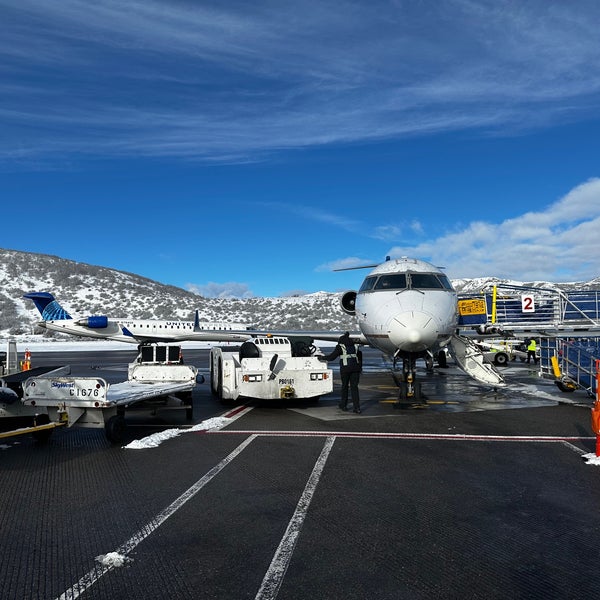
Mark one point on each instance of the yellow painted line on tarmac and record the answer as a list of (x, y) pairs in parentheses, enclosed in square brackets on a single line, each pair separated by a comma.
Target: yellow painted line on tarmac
[(441, 402)]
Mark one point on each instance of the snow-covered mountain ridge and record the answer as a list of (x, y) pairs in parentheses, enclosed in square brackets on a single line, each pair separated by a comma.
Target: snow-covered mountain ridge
[(84, 290)]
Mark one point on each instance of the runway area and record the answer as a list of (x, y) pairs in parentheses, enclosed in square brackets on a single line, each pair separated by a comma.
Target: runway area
[(473, 493)]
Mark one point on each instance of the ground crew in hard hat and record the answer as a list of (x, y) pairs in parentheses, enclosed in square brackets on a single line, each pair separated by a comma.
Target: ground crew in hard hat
[(531, 351), (350, 369)]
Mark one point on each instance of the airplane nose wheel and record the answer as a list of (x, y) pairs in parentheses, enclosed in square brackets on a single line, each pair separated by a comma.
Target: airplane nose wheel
[(409, 389)]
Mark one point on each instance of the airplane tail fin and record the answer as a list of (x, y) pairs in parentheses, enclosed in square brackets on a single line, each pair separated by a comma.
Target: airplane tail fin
[(197, 321), (47, 306)]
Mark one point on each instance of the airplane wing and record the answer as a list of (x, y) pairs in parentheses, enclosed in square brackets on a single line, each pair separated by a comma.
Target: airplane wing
[(192, 336), (325, 336)]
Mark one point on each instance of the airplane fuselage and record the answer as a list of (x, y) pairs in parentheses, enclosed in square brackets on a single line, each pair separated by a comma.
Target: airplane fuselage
[(407, 306), (135, 330)]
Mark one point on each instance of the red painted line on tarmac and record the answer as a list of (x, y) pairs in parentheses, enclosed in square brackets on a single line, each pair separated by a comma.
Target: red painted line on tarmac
[(407, 436), (235, 411)]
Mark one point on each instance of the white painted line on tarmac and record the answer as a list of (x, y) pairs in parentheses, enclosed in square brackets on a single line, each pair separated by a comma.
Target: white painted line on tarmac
[(573, 448), (278, 567), (92, 576), (406, 435)]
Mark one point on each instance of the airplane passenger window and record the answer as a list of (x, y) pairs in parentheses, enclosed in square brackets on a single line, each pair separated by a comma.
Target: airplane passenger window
[(425, 281), (397, 281)]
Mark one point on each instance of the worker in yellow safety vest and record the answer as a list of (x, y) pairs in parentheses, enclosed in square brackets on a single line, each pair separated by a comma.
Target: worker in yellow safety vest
[(531, 351)]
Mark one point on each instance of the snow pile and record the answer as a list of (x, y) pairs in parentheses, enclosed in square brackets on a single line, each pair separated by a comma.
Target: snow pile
[(156, 439), (113, 559), (591, 459)]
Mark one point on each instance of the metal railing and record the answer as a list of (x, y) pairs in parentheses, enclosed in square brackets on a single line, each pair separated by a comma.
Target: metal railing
[(576, 360)]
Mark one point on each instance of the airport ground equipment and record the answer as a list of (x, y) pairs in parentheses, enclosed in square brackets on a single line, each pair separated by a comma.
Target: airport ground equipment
[(269, 368), (157, 374), (501, 352), (15, 417)]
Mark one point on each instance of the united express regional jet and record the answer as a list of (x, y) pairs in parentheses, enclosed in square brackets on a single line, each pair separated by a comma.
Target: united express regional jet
[(56, 318)]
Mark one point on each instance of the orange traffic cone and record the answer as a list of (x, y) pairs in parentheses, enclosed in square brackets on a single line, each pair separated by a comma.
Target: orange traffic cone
[(27, 361)]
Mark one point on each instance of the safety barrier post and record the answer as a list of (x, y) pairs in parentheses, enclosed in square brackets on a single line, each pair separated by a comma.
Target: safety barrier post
[(596, 410)]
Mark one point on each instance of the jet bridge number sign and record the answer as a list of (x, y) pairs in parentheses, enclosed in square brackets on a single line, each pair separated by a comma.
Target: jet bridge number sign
[(527, 303)]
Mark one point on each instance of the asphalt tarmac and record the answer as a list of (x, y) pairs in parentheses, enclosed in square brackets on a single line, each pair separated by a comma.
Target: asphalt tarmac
[(474, 493)]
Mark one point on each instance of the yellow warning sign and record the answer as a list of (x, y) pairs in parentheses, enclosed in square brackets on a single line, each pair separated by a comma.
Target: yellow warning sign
[(470, 307)]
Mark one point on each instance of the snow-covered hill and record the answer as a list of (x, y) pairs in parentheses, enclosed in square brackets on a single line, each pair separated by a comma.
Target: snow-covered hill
[(85, 289)]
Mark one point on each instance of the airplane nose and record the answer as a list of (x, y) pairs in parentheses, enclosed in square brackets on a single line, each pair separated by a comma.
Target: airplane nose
[(413, 331)]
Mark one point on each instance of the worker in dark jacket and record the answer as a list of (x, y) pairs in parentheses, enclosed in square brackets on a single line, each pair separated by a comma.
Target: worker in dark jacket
[(350, 369)]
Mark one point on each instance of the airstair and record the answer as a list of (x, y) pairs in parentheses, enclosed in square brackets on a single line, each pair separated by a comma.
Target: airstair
[(566, 325)]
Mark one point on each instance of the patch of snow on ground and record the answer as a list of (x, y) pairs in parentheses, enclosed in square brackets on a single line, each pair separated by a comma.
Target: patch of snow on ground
[(156, 439), (592, 459), (112, 559)]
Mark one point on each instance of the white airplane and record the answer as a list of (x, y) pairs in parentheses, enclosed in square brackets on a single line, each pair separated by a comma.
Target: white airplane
[(56, 318), (408, 309)]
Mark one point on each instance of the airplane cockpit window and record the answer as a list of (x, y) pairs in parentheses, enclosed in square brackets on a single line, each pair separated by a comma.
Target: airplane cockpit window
[(368, 284), (425, 281), (402, 281), (396, 281), (445, 282)]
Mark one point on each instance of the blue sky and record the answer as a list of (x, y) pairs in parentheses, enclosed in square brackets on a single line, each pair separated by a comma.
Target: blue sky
[(246, 149)]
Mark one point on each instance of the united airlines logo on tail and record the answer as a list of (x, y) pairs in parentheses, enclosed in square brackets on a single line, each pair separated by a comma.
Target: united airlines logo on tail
[(55, 312)]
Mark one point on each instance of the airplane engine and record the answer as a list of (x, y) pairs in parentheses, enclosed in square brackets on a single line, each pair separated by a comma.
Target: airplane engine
[(93, 322), (348, 302)]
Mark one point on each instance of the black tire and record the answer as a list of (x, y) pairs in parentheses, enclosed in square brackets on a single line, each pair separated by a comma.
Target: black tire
[(501, 359), (42, 436), (224, 401), (563, 387), (213, 382), (115, 429), (189, 405), (442, 359)]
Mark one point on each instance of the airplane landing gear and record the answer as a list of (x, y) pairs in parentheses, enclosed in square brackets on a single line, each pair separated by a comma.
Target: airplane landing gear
[(409, 389)]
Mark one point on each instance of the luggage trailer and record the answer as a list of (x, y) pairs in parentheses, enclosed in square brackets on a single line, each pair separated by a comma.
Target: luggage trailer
[(92, 402)]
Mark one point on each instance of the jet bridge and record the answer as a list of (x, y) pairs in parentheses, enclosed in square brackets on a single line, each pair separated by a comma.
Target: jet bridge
[(531, 311), (567, 325)]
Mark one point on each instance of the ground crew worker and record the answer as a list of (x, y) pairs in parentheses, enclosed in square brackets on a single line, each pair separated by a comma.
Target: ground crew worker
[(350, 369), (531, 351)]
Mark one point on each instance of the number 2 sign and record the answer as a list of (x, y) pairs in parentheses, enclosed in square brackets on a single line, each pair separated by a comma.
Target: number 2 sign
[(527, 303)]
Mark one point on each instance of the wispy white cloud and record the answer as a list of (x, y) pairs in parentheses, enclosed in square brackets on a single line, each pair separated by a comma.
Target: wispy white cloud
[(559, 243), (231, 82), (309, 212), (390, 233), (350, 262)]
